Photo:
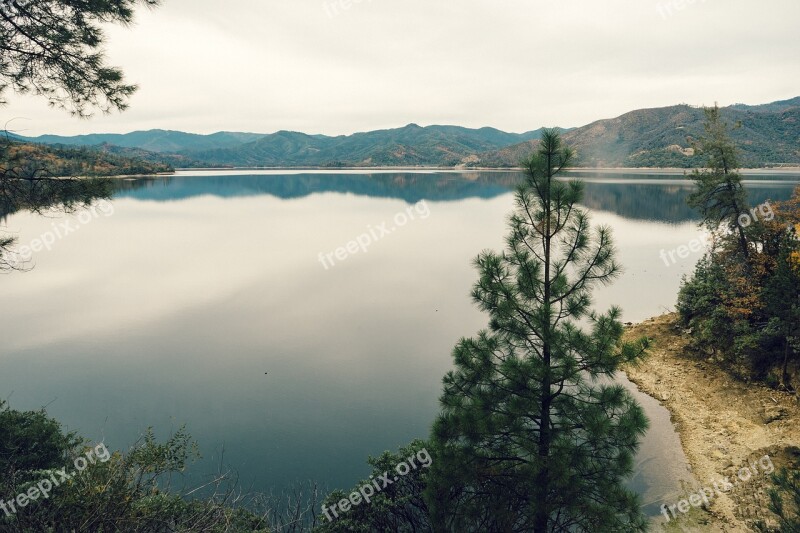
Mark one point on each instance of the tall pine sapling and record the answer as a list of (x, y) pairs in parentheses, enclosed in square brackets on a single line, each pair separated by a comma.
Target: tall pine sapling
[(534, 435)]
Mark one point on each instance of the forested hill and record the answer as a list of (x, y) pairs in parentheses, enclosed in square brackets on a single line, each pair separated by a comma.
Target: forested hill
[(410, 145), (30, 158), (661, 137), (769, 135)]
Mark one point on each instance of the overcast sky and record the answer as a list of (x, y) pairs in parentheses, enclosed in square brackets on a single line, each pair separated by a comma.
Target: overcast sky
[(320, 67)]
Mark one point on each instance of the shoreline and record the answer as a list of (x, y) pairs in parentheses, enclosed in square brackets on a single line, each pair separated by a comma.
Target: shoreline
[(723, 424), (600, 170), (623, 171)]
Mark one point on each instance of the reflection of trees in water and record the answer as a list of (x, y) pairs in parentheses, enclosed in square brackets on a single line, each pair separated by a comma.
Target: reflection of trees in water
[(45, 194), (664, 202), (24, 188)]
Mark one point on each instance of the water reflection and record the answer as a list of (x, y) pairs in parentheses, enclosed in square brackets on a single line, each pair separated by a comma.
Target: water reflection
[(172, 310), (43, 196), (640, 197)]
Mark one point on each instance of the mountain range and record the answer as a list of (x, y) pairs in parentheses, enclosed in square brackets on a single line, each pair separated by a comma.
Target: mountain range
[(768, 135)]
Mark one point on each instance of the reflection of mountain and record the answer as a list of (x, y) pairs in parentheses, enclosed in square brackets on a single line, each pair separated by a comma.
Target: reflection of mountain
[(636, 198), (410, 187), (666, 201)]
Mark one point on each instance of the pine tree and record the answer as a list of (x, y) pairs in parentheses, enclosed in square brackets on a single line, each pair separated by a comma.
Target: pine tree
[(782, 302), (54, 49), (784, 499), (720, 196), (534, 435)]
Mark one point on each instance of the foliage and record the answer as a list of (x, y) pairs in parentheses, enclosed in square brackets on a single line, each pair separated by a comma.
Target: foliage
[(533, 435), (399, 507), (670, 157), (24, 187), (30, 441), (742, 304), (54, 49), (36, 159), (700, 305), (720, 196), (785, 500), (34, 178), (746, 312), (118, 492)]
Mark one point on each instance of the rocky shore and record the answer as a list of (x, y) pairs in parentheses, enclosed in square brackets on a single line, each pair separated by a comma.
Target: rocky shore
[(724, 425)]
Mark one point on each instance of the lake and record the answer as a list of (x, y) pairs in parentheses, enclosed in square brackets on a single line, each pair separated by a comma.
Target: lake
[(223, 301)]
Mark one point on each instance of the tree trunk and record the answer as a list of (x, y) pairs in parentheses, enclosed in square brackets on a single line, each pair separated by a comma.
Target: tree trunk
[(738, 212), (541, 518), (785, 372)]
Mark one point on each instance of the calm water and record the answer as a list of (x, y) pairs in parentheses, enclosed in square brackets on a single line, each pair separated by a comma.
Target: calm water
[(171, 309)]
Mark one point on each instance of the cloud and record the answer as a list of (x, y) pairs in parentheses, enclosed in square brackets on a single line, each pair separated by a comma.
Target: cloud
[(316, 66)]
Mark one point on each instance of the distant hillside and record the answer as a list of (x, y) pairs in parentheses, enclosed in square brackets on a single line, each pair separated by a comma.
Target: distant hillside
[(168, 159), (663, 137), (153, 140), (411, 145), (782, 105), (69, 161), (408, 146)]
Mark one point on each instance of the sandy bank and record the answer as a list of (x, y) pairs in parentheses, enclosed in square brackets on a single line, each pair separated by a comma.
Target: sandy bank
[(724, 425)]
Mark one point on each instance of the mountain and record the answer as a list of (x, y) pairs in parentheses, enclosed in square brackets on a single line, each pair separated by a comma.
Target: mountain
[(769, 135), (663, 137), (782, 105), (152, 140), (408, 146), (411, 145)]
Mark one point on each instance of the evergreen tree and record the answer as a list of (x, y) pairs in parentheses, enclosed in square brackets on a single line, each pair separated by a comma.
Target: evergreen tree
[(399, 506), (749, 318), (782, 297), (534, 435), (720, 196), (784, 502), (54, 49)]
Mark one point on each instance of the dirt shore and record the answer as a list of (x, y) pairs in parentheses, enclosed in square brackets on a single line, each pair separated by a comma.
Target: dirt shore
[(725, 425)]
